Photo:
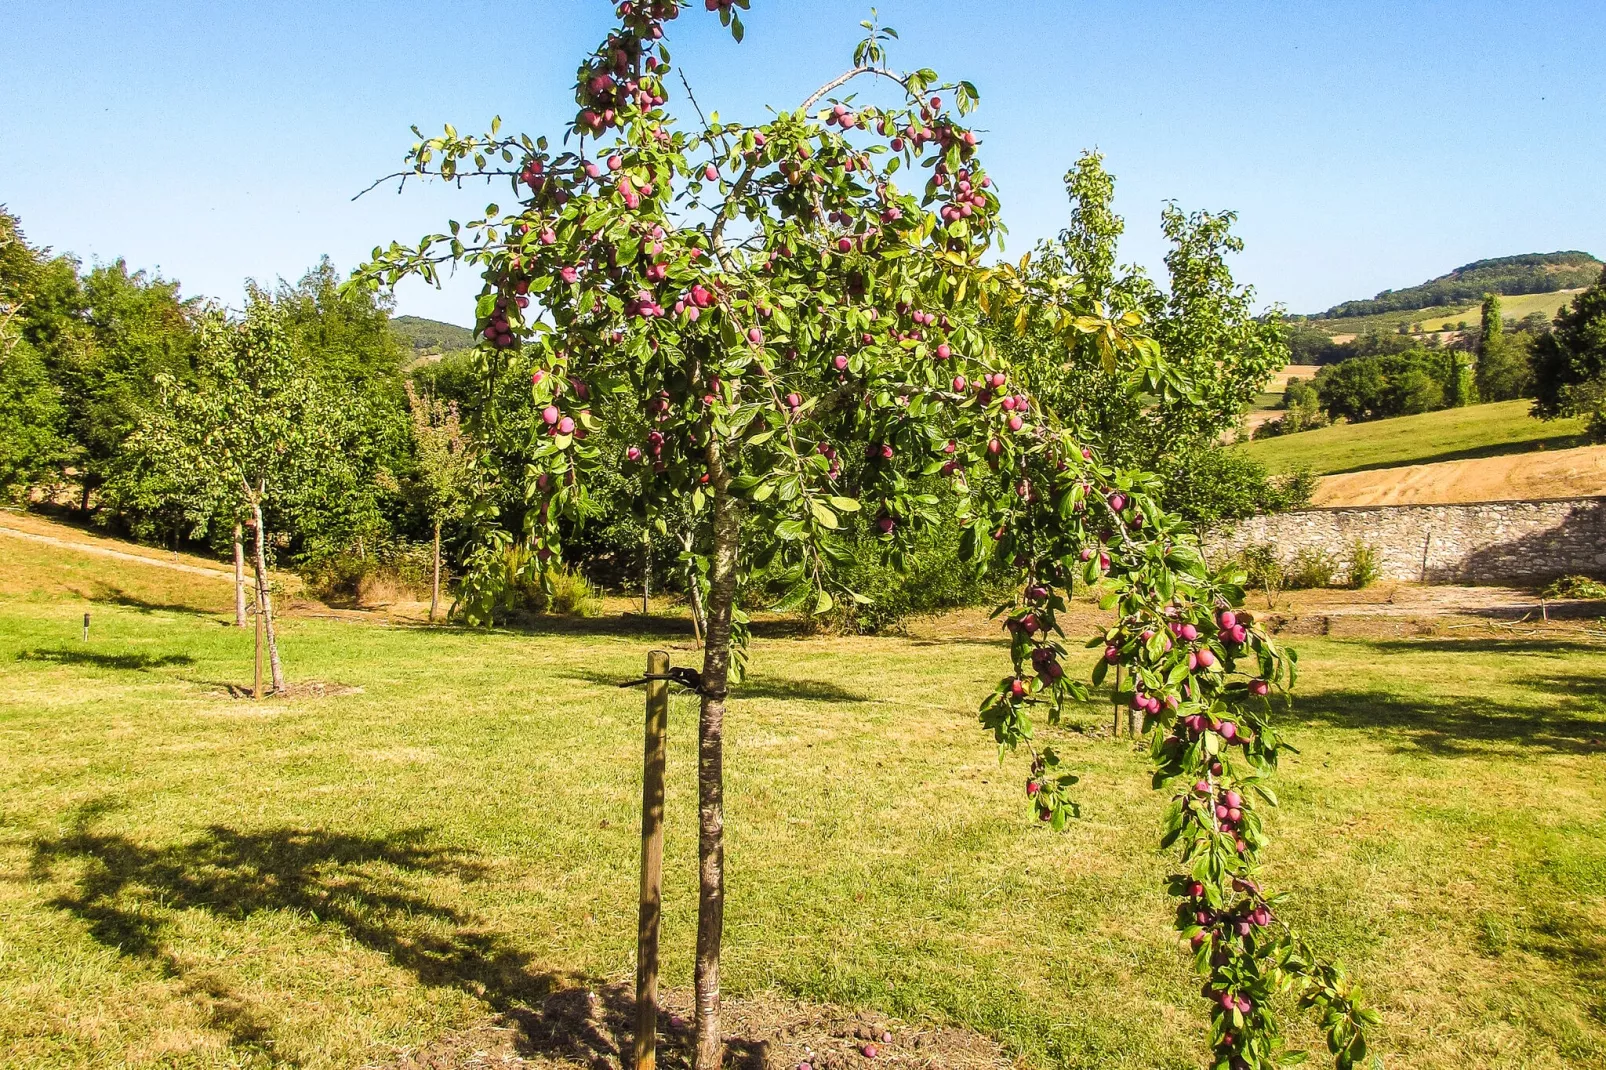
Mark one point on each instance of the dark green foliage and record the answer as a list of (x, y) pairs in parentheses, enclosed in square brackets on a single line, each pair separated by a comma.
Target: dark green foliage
[(1376, 343), (1376, 387), (132, 328), (1302, 410), (1532, 273), (33, 441), (1300, 394), (1569, 363), (430, 336), (1311, 345), (934, 579), (1218, 485), (1504, 372)]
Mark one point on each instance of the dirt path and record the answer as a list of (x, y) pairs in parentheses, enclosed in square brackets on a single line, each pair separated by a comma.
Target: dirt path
[(87, 547), (1541, 474)]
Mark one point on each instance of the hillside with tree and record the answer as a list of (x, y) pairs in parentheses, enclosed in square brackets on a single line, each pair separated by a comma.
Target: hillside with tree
[(427, 336), (1529, 273)]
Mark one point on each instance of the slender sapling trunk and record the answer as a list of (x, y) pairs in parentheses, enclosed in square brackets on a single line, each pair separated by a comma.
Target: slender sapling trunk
[(276, 671), (435, 580), (710, 766), (239, 576)]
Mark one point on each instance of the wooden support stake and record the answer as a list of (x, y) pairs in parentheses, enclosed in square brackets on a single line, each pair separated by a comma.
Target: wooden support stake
[(652, 861), (86, 627)]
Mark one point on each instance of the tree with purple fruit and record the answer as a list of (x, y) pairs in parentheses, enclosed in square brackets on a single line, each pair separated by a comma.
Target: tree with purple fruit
[(748, 307)]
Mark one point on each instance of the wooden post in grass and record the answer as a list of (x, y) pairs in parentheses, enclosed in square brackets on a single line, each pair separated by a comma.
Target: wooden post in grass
[(652, 861), (256, 685), (86, 627), (1115, 702)]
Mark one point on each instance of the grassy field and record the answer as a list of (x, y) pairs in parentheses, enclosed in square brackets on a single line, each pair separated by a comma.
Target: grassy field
[(1449, 434), (188, 880), (1447, 317), (1515, 306)]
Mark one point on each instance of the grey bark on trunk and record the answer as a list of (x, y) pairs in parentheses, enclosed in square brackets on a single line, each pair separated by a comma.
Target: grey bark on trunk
[(261, 563), (435, 580), (710, 767), (239, 576)]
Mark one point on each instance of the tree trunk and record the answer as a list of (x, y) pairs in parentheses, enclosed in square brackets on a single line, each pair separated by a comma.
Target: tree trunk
[(710, 767), (646, 573), (435, 580), (239, 576), (276, 671), (698, 624)]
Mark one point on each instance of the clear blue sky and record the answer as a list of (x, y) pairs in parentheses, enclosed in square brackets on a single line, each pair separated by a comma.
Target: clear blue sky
[(1365, 145)]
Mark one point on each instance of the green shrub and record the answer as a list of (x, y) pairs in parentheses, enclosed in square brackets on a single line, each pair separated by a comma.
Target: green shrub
[(1575, 587), (1218, 485), (1262, 565), (398, 572), (1311, 568), (1263, 568), (934, 580), (506, 585), (1365, 565)]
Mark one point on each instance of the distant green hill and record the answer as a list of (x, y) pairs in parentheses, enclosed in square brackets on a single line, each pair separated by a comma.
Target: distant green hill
[(1531, 273), (431, 336)]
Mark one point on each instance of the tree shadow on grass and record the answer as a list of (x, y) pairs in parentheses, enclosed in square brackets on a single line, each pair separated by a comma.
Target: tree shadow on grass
[(648, 626), (1487, 645), (125, 662), (130, 896), (109, 594), (1563, 712), (765, 687)]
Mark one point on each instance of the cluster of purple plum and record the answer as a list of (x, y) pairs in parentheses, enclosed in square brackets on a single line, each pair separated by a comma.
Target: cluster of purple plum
[(605, 86), (967, 196), (828, 451), (932, 126), (1239, 921), (696, 299), (498, 329)]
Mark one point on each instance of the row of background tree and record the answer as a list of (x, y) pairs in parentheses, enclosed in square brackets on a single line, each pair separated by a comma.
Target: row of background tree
[(99, 364), (1383, 374)]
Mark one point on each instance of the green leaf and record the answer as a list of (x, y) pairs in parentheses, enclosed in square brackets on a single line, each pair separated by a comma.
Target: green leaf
[(844, 505), (823, 603), (822, 513)]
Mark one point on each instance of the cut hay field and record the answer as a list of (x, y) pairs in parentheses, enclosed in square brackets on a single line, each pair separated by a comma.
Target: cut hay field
[(1565, 473), (189, 880)]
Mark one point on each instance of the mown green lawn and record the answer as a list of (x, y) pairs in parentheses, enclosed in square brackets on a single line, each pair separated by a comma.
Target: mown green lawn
[(189, 880), (1447, 435)]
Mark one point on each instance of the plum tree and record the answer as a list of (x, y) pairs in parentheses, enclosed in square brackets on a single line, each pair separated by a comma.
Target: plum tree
[(745, 308)]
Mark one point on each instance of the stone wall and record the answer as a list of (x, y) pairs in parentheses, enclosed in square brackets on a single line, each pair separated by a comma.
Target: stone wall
[(1486, 542)]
